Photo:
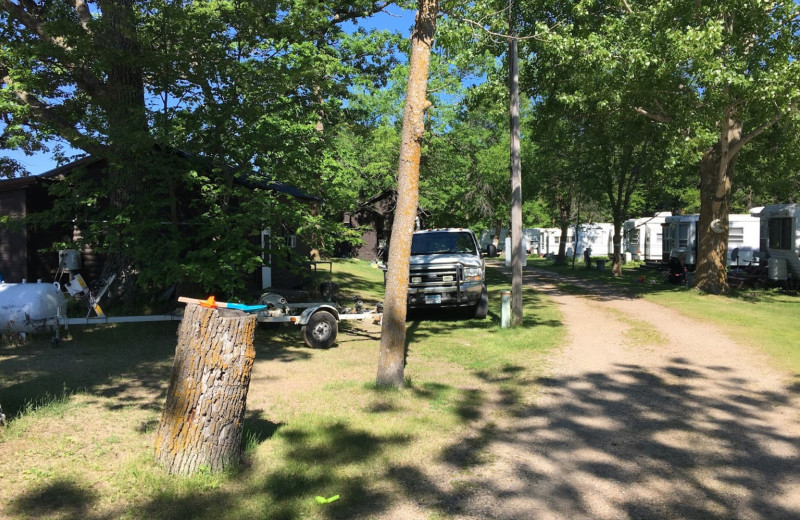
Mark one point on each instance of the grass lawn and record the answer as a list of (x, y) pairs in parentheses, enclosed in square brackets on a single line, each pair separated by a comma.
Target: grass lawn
[(80, 443), (764, 318)]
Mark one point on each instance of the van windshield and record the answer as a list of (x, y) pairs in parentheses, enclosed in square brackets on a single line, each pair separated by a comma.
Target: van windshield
[(443, 243)]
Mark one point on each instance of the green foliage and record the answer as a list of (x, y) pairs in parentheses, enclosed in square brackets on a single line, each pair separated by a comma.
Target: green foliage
[(243, 86)]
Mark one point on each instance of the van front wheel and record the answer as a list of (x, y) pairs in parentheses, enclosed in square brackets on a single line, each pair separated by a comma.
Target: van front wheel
[(481, 308)]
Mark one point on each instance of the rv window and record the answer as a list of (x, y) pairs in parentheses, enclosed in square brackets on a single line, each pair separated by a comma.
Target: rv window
[(780, 233), (736, 236), (683, 235), (634, 236)]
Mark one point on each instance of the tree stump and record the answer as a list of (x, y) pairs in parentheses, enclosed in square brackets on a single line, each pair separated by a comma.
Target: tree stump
[(201, 424)]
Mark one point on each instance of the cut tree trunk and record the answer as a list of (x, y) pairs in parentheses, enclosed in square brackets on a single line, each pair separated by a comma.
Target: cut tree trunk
[(201, 425)]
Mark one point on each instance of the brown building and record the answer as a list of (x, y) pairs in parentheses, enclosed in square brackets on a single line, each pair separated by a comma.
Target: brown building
[(27, 252), (375, 217)]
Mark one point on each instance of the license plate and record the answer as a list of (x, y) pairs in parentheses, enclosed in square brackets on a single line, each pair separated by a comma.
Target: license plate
[(416, 279), (433, 299), (447, 278)]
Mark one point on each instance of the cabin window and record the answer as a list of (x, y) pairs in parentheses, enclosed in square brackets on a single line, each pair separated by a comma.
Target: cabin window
[(780, 233)]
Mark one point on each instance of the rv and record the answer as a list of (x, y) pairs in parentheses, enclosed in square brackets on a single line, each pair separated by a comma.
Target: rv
[(743, 239), (488, 237), (643, 237), (780, 240), (533, 237), (682, 243), (680, 239), (599, 237), (550, 238)]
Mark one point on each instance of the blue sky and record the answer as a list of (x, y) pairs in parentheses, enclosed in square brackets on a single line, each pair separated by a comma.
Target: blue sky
[(393, 18)]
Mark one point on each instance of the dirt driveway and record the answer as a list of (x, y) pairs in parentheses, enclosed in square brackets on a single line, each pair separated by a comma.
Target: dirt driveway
[(640, 418)]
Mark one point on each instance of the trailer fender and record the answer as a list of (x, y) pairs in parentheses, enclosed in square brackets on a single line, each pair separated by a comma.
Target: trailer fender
[(304, 317)]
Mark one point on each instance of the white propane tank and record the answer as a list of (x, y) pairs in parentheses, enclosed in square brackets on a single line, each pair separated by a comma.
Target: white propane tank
[(24, 307), (777, 270)]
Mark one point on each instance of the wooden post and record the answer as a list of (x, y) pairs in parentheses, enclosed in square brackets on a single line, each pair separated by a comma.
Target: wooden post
[(516, 175), (201, 424)]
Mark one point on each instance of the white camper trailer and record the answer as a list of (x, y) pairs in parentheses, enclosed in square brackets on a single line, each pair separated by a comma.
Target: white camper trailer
[(488, 237), (681, 233), (743, 238), (643, 237), (780, 240), (533, 237), (551, 237), (598, 236)]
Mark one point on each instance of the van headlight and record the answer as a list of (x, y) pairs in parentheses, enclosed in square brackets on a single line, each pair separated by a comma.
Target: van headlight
[(473, 274)]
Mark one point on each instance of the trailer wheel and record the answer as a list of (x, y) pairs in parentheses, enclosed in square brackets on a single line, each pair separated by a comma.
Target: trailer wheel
[(320, 331)]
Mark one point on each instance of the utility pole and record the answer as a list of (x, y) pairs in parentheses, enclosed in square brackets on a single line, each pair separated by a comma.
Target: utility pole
[(516, 174)]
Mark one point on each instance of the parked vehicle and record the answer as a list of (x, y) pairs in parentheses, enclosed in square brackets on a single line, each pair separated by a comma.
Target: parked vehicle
[(447, 270), (780, 240), (550, 239), (318, 321), (680, 239), (599, 237), (643, 237)]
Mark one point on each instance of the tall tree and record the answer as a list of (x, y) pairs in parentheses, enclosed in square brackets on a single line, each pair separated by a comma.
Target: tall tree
[(391, 361), (244, 84), (717, 73)]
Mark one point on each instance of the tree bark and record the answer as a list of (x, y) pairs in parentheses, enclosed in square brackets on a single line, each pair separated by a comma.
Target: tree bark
[(201, 424), (391, 360), (712, 227), (564, 213)]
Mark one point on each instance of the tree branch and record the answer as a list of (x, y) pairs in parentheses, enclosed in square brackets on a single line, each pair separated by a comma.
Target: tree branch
[(50, 116), (627, 6), (500, 35), (24, 13), (761, 128), (346, 16), (661, 118), (84, 16)]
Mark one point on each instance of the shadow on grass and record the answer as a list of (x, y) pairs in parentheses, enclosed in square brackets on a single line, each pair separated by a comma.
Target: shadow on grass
[(318, 463), (114, 361), (62, 498), (92, 359)]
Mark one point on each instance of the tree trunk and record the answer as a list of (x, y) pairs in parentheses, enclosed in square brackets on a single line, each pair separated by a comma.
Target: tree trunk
[(201, 424), (616, 266), (712, 230), (130, 145), (564, 210), (716, 173), (516, 183), (391, 361)]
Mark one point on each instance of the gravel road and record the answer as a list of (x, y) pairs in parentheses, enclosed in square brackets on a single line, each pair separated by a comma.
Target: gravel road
[(644, 414)]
